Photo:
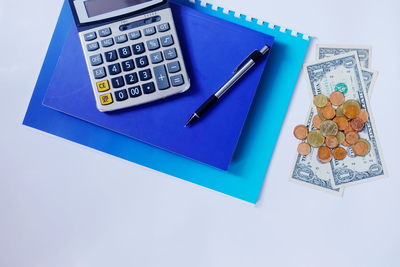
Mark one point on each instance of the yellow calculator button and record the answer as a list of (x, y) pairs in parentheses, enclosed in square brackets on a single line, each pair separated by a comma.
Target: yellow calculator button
[(106, 99), (103, 86)]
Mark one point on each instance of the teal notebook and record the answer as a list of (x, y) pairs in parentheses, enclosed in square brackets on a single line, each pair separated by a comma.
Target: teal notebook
[(246, 173)]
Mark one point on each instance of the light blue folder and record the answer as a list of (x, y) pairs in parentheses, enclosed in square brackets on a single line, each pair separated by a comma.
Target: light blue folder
[(247, 170)]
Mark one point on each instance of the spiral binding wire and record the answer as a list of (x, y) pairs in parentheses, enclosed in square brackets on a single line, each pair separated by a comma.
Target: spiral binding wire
[(214, 7)]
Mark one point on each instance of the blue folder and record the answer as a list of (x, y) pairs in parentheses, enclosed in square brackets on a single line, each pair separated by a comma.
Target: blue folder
[(213, 48), (247, 170)]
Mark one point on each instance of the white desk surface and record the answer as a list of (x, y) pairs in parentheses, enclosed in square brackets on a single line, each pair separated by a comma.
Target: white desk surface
[(65, 205)]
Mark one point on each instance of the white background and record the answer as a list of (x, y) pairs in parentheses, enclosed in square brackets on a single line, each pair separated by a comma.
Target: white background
[(62, 204)]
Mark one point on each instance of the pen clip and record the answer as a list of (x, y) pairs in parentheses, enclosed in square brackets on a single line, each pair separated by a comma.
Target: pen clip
[(256, 56), (244, 62)]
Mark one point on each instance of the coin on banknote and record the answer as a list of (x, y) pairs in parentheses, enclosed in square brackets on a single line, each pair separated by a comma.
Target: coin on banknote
[(342, 122), (300, 132), (339, 153), (329, 127), (331, 141), (351, 109), (357, 124), (366, 142), (352, 138), (360, 148), (340, 137), (319, 111), (336, 98), (324, 154), (364, 115), (315, 138), (304, 149), (328, 112), (348, 129), (320, 100), (316, 121)]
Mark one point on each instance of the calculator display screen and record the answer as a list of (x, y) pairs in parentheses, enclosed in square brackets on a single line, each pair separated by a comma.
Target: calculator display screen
[(99, 7)]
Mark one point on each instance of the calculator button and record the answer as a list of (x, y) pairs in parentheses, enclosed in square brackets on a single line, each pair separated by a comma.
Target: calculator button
[(138, 48), (149, 31), (121, 38), (135, 91), (114, 69), (117, 82), (134, 35), (107, 42), (153, 44), (111, 55), (163, 27), (142, 61), (177, 80), (131, 78), (167, 40), (128, 65), (173, 67), (148, 88), (170, 53), (93, 46), (145, 75), (124, 52), (103, 86), (96, 60), (156, 57), (161, 77), (105, 32), (121, 95), (99, 73), (90, 36), (106, 99)]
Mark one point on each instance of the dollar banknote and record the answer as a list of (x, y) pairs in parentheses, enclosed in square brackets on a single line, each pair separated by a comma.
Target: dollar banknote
[(363, 52), (344, 72)]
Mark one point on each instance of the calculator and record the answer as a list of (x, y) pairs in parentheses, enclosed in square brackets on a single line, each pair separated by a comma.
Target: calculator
[(132, 51)]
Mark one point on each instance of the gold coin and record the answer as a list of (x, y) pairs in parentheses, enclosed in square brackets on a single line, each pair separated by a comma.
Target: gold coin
[(339, 153), (336, 98), (321, 116), (316, 121), (304, 149), (315, 138), (331, 141), (324, 154), (360, 148), (300, 132), (351, 109), (329, 127), (340, 137), (320, 100), (339, 111)]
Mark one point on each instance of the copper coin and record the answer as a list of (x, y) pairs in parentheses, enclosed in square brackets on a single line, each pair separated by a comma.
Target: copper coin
[(304, 149), (357, 124), (324, 154), (364, 116), (331, 141), (300, 132), (342, 123), (348, 129), (360, 148), (351, 109), (316, 121), (336, 98), (345, 143), (328, 112), (352, 138), (340, 137), (366, 142), (339, 153)]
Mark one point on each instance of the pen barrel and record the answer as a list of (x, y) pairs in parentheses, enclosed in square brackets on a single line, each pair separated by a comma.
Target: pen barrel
[(211, 101)]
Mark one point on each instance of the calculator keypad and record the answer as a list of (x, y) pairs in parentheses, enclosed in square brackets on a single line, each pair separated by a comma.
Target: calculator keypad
[(137, 65)]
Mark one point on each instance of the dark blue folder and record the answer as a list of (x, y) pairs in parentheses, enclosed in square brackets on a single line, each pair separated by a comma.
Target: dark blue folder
[(212, 50)]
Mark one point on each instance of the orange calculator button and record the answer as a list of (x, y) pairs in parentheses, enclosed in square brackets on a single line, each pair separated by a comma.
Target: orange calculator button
[(106, 99), (103, 86)]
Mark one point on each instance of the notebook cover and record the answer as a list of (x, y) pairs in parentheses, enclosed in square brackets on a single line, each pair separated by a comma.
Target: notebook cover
[(247, 171), (212, 49)]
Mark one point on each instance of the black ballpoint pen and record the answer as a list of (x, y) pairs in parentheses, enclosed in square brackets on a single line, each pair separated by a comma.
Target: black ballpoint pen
[(241, 70)]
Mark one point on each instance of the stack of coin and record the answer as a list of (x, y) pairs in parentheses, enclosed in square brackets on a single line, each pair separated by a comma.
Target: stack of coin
[(337, 125)]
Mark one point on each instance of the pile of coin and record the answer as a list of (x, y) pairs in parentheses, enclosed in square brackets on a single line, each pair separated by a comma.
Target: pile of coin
[(334, 127)]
